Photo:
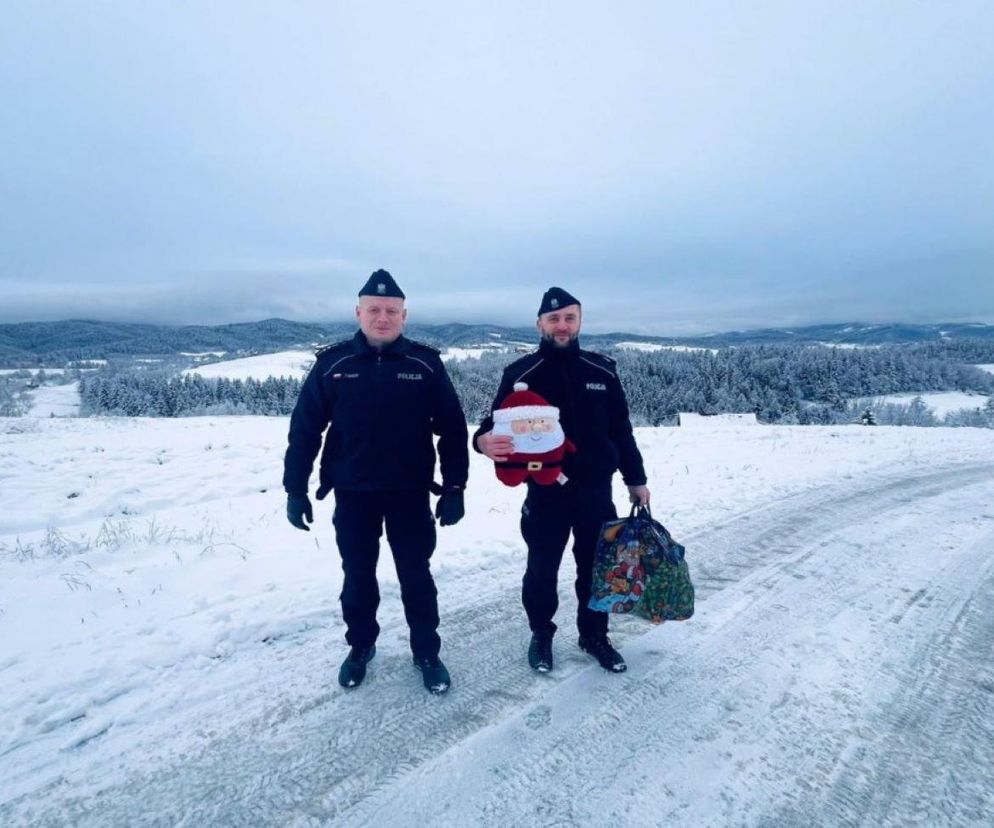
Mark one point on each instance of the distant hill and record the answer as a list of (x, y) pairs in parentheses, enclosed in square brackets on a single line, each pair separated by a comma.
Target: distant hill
[(55, 343), (852, 333), (81, 339)]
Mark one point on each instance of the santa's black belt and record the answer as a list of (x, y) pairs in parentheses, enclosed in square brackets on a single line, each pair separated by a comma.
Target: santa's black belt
[(531, 465)]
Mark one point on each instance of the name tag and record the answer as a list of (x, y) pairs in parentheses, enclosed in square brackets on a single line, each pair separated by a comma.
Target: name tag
[(596, 386), (409, 376), (344, 376)]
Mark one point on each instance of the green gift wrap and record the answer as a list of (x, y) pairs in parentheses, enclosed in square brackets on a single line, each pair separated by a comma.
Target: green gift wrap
[(639, 568)]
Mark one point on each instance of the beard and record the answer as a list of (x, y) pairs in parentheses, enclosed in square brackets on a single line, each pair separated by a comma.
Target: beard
[(532, 443), (551, 339)]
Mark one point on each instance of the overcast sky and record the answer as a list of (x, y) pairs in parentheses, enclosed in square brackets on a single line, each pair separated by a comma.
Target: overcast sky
[(680, 170)]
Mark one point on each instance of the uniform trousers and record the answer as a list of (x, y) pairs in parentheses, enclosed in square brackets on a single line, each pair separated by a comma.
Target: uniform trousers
[(359, 520), (548, 516)]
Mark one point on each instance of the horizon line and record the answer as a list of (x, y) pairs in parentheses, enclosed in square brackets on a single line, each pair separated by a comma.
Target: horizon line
[(710, 333)]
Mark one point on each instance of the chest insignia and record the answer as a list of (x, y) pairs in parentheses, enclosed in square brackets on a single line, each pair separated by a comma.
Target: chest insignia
[(410, 376), (596, 386)]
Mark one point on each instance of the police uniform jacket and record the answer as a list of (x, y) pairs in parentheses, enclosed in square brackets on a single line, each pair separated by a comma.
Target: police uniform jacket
[(383, 408), (593, 411)]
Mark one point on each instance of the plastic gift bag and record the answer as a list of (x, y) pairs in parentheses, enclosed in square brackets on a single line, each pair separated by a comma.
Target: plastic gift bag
[(639, 568)]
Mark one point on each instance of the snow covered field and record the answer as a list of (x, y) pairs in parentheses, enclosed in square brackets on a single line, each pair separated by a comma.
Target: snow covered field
[(6, 372), (941, 402), (169, 644), (297, 363), (294, 364), (459, 354), (54, 401)]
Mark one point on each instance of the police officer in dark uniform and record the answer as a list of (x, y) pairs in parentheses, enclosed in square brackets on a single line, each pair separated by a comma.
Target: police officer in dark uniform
[(593, 410), (384, 397)]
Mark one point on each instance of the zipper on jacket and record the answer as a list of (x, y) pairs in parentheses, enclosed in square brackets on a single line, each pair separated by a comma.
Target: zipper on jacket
[(380, 407)]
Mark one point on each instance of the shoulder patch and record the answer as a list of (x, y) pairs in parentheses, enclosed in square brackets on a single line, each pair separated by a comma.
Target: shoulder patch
[(327, 349)]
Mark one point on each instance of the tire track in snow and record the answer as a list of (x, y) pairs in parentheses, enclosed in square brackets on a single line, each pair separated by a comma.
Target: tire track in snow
[(935, 735), (319, 763), (568, 758)]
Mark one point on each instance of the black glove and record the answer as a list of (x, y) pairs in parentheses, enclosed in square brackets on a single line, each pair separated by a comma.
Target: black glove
[(297, 507), (450, 510)]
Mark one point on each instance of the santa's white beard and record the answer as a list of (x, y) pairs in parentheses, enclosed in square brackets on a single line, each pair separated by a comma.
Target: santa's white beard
[(532, 443)]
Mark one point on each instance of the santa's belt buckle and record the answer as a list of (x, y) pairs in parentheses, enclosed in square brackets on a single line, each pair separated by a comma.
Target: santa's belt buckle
[(534, 465)]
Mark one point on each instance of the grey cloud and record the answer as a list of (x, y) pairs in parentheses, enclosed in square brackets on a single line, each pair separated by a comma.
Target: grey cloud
[(680, 166)]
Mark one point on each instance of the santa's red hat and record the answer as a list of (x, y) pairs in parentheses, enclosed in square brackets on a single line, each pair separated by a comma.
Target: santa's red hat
[(523, 404)]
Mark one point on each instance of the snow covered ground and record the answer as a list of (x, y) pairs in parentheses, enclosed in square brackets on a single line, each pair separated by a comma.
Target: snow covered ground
[(941, 402), (298, 363), (54, 400), (169, 644), (476, 352), (989, 368), (711, 422), (281, 364), (4, 372)]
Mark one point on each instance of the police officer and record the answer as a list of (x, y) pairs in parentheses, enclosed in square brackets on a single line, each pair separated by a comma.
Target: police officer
[(384, 396), (593, 410)]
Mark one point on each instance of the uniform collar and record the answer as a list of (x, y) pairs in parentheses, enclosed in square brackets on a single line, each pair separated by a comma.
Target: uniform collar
[(399, 346)]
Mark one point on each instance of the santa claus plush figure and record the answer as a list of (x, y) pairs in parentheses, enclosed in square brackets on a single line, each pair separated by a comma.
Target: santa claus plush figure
[(539, 441)]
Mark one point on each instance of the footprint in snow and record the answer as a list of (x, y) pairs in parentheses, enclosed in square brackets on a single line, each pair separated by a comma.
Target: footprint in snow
[(540, 717)]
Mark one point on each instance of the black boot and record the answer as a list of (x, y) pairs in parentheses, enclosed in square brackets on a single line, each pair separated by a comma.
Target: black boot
[(608, 657), (353, 669), (540, 652), (433, 674)]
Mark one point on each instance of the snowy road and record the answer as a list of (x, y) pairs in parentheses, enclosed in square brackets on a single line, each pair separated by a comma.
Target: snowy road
[(838, 672)]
